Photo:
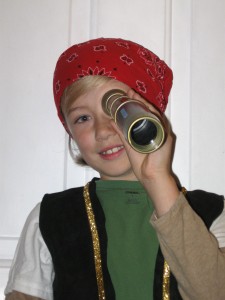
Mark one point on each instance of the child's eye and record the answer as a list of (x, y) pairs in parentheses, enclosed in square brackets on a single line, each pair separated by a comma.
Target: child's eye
[(82, 119)]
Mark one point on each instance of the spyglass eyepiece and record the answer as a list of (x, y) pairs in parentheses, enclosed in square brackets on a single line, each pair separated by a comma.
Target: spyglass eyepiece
[(143, 132), (142, 128)]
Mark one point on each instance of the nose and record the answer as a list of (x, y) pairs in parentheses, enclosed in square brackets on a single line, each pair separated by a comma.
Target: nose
[(103, 128)]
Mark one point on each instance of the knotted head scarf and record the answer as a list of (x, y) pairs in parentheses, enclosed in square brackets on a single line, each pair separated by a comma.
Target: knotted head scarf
[(123, 60)]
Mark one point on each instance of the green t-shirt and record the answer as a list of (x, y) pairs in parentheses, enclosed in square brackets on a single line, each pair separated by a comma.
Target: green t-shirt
[(132, 242)]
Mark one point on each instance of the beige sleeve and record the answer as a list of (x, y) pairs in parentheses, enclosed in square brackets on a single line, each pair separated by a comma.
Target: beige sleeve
[(192, 253), (20, 296)]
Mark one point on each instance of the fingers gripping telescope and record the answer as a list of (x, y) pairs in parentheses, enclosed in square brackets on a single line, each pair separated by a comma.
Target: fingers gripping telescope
[(142, 128)]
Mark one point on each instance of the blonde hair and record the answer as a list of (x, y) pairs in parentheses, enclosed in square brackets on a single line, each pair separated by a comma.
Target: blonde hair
[(70, 94), (79, 88)]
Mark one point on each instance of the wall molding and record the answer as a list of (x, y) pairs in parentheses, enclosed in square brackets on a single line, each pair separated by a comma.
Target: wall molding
[(93, 25), (168, 31)]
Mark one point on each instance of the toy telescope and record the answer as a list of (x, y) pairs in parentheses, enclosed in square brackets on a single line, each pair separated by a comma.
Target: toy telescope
[(141, 127)]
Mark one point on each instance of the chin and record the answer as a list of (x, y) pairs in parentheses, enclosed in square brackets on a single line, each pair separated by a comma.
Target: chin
[(126, 175)]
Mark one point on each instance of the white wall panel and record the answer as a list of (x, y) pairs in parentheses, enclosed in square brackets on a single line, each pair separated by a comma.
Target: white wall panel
[(189, 35), (180, 94), (3, 280), (32, 140), (197, 105), (7, 249), (80, 20), (207, 96), (142, 21), (32, 34)]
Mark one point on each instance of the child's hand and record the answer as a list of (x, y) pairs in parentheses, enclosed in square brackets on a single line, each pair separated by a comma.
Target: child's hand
[(150, 167), (154, 170)]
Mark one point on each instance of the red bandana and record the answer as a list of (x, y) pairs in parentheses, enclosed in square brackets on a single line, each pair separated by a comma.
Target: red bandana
[(120, 59)]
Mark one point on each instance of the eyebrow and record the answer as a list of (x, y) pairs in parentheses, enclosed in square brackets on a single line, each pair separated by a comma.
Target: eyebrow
[(74, 108)]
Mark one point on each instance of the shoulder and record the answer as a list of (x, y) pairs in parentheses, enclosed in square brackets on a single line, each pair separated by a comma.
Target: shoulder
[(60, 210), (61, 199), (31, 240), (73, 196), (32, 221), (207, 205), (64, 194), (65, 209), (31, 260)]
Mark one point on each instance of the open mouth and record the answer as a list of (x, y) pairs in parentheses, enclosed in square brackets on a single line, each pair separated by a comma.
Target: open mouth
[(112, 150)]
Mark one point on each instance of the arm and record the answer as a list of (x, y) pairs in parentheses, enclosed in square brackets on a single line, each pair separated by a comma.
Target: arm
[(154, 170), (198, 274), (20, 296), (192, 253), (31, 272)]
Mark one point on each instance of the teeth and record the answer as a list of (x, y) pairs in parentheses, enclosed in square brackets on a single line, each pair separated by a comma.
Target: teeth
[(113, 150)]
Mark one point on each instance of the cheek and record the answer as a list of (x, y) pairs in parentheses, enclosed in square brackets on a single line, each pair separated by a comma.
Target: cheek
[(83, 139)]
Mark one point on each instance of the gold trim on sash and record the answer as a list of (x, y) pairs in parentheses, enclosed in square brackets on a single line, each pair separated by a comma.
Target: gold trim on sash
[(166, 282), (96, 245)]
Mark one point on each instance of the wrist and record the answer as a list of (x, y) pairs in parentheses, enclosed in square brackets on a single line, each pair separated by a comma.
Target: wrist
[(163, 192)]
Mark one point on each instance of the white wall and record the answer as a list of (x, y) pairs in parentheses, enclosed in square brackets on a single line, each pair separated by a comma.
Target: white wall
[(189, 35)]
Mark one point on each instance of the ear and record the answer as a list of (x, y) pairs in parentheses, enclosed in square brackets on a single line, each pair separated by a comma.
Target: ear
[(67, 129)]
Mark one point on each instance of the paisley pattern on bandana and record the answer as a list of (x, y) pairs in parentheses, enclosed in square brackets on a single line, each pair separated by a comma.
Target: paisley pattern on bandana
[(57, 86), (100, 48), (148, 56), (126, 59), (72, 57), (141, 86), (162, 102), (123, 44), (119, 59)]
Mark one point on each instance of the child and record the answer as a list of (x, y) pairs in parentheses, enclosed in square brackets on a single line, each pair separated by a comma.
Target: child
[(96, 242)]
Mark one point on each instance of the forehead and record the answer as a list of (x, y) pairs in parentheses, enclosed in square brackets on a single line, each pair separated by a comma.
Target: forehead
[(93, 98), (96, 93)]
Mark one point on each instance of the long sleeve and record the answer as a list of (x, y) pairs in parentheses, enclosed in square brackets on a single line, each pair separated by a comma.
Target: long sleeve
[(192, 253)]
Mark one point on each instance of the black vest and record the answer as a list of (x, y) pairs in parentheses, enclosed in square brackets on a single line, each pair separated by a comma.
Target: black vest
[(65, 229)]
